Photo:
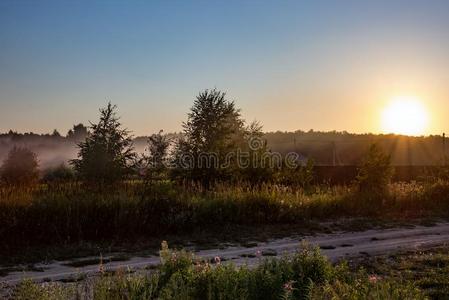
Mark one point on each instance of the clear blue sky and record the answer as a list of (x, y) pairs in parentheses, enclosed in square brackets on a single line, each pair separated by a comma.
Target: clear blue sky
[(290, 64)]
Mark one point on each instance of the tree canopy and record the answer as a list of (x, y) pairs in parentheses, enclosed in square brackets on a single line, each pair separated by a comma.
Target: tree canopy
[(214, 128)]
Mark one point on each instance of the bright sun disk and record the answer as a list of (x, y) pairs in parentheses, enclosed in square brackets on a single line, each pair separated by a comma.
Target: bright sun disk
[(405, 115)]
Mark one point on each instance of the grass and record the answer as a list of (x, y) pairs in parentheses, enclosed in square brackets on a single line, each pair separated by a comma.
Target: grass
[(428, 269), (304, 275), (70, 214)]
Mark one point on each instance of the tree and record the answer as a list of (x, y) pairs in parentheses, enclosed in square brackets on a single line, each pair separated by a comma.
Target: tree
[(20, 167), (258, 165), (156, 158), (375, 173), (78, 133), (107, 154), (214, 129), (56, 134)]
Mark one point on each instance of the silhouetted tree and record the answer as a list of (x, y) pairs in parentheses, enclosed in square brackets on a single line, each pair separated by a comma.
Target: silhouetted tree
[(56, 133), (213, 129), (156, 156), (375, 173), (78, 133), (257, 165), (20, 167), (107, 154)]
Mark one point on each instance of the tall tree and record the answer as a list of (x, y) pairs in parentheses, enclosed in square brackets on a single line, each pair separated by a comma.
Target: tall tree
[(214, 129), (107, 154)]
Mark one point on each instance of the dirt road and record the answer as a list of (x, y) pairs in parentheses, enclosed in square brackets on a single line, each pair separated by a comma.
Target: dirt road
[(335, 246)]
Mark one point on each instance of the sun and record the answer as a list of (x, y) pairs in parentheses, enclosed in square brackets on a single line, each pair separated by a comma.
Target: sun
[(405, 115)]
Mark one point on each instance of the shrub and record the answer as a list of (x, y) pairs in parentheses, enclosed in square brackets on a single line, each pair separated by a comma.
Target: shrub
[(374, 174), (20, 167), (436, 195), (301, 176), (61, 173)]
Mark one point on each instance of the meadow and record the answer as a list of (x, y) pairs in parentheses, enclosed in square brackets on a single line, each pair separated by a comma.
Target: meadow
[(71, 213), (112, 197)]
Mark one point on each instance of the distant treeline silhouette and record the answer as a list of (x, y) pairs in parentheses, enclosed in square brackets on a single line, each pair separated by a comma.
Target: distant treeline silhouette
[(214, 124), (346, 149), (325, 148)]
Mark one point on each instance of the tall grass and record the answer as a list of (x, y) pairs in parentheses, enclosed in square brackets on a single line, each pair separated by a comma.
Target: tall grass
[(71, 212)]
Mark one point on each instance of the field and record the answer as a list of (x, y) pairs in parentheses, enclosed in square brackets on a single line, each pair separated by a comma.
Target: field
[(72, 214), (216, 187)]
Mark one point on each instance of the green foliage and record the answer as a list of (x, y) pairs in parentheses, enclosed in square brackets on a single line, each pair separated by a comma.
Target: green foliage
[(305, 275), (375, 173), (20, 167), (106, 155), (183, 276)]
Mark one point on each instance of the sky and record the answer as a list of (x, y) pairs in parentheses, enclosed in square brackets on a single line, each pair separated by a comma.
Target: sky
[(322, 65)]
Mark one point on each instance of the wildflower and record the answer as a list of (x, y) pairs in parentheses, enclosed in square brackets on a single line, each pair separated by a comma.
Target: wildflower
[(258, 253), (373, 278), (288, 286), (217, 260)]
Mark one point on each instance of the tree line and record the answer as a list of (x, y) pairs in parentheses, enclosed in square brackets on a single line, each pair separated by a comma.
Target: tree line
[(214, 126), (214, 130)]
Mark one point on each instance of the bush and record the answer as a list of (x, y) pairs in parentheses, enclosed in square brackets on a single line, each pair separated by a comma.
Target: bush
[(374, 175), (301, 176), (61, 173), (20, 167)]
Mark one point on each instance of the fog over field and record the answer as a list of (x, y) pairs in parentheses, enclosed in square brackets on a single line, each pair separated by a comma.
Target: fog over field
[(325, 148)]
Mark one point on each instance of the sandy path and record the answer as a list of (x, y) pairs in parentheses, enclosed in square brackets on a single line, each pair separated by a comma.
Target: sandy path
[(335, 246)]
